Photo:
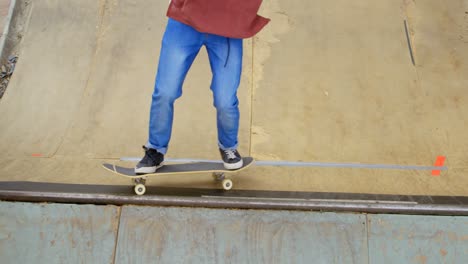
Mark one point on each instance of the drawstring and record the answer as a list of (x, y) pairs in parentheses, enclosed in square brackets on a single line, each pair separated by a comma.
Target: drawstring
[(229, 51)]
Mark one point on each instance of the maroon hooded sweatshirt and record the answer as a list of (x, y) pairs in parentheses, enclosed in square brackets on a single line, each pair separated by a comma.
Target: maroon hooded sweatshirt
[(228, 18)]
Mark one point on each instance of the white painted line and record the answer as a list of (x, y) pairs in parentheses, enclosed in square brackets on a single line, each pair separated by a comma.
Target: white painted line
[(311, 164)]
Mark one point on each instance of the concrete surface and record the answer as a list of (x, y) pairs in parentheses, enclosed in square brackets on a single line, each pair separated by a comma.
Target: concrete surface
[(57, 233), (409, 239), (325, 82), (15, 16), (4, 6), (184, 235), (64, 233)]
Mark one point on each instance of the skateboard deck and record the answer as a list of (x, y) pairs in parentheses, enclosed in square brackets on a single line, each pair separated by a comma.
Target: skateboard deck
[(217, 168), (182, 168)]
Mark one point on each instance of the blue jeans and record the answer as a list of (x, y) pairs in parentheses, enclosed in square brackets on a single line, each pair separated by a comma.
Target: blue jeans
[(180, 45)]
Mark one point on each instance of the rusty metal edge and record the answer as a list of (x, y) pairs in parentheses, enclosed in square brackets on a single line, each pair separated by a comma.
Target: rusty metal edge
[(236, 203)]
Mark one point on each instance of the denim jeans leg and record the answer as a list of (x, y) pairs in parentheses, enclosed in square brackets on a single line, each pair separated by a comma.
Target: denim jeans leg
[(225, 56), (180, 46)]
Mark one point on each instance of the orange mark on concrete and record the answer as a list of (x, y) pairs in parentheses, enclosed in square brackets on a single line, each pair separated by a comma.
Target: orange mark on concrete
[(37, 155), (439, 163)]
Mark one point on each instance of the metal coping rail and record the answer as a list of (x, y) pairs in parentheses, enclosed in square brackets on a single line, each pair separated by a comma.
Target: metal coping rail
[(239, 203)]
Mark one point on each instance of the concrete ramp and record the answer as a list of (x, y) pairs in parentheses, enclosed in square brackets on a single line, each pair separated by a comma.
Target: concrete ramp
[(66, 233), (57, 233), (46, 93), (326, 82)]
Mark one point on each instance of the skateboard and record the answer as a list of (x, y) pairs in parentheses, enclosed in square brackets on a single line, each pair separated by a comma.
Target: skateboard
[(217, 168)]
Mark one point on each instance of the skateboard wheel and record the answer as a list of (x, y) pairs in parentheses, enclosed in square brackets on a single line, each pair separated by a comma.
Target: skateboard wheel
[(140, 189), (227, 184)]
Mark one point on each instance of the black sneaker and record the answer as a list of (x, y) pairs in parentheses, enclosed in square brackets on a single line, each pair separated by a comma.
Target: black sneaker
[(232, 159), (152, 161)]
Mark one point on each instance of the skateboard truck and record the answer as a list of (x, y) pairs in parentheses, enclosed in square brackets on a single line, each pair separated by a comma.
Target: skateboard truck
[(140, 187), (226, 183)]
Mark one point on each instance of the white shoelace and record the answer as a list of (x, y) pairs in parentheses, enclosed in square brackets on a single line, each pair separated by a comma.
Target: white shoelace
[(230, 154)]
